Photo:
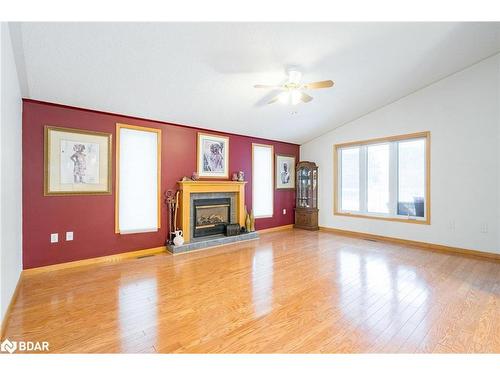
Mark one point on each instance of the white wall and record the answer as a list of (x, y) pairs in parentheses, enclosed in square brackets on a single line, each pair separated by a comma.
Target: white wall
[(462, 113), (10, 172)]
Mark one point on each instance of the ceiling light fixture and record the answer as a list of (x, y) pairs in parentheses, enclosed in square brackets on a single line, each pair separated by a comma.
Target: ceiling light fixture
[(291, 96), (284, 97), (293, 91)]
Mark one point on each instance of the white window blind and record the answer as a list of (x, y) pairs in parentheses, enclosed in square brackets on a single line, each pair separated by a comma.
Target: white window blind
[(138, 163), (262, 180)]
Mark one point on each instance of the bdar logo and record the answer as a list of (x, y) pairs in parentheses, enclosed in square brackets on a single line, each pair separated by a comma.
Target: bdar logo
[(8, 346)]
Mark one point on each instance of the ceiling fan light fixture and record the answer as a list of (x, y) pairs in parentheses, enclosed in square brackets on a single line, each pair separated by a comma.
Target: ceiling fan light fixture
[(284, 97), (295, 97), (293, 91), (294, 76)]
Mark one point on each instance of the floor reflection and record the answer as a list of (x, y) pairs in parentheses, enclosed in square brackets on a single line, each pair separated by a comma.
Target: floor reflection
[(377, 293), (138, 312), (262, 281)]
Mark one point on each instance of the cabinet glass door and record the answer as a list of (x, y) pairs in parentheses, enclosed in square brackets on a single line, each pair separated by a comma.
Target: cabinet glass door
[(304, 188), (315, 189)]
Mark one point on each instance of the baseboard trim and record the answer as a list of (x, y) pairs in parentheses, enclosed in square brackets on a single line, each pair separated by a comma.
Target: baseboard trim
[(424, 245), (13, 300), (103, 259), (276, 229)]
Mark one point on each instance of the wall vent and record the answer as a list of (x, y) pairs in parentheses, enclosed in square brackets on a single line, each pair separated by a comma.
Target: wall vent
[(145, 256)]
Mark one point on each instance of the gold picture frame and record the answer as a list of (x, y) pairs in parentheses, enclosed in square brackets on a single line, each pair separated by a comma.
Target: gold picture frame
[(76, 162), (205, 141), (280, 159)]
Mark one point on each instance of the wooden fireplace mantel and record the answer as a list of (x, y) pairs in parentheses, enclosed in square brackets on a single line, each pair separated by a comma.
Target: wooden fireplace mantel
[(188, 187)]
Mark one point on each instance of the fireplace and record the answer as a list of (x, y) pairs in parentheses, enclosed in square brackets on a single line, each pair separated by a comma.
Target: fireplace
[(211, 216)]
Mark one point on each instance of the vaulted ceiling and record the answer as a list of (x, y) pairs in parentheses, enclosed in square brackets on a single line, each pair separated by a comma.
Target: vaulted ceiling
[(203, 74)]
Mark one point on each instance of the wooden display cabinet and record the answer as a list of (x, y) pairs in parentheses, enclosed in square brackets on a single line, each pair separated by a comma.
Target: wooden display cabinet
[(306, 201)]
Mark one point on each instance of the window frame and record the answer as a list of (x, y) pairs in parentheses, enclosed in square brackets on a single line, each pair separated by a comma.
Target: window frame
[(391, 140), (272, 178), (158, 132)]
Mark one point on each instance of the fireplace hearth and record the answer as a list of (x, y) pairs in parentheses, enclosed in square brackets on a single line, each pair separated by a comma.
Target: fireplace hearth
[(211, 216)]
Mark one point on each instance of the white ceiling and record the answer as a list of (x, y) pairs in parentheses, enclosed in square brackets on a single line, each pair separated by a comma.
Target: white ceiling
[(203, 74)]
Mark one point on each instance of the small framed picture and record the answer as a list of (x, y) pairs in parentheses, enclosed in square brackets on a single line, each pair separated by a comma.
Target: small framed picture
[(76, 162), (285, 171), (213, 156)]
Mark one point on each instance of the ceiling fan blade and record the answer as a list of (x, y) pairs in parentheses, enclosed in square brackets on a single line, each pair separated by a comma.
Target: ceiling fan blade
[(274, 87), (305, 98), (317, 85), (273, 100)]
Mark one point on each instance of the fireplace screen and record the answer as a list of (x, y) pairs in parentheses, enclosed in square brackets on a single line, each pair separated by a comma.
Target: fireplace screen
[(211, 216)]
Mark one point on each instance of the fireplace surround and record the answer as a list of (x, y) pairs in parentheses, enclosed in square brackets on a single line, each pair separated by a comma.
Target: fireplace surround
[(193, 190)]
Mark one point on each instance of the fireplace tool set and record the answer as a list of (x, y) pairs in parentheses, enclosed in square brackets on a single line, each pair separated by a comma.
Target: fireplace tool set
[(172, 202)]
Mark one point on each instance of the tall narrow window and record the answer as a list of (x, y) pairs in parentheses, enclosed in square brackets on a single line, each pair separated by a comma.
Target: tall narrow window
[(350, 179), (138, 179), (262, 180), (385, 178)]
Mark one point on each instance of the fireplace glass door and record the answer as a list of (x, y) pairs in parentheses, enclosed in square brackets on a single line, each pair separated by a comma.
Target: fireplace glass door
[(211, 216)]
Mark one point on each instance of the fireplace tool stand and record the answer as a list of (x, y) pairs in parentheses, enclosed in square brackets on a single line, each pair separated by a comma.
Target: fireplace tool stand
[(172, 202)]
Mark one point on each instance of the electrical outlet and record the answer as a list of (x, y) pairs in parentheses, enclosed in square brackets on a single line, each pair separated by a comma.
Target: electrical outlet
[(284, 211), (69, 236), (54, 237), (484, 228)]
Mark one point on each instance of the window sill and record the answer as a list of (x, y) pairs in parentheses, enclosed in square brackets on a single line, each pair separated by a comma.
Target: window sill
[(425, 221), (136, 231), (264, 217)]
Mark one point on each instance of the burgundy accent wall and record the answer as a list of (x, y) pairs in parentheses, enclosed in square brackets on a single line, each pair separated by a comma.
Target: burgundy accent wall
[(92, 218)]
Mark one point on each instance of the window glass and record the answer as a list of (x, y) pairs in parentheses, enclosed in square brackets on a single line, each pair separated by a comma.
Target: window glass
[(262, 180), (378, 178), (138, 201), (411, 178), (350, 179)]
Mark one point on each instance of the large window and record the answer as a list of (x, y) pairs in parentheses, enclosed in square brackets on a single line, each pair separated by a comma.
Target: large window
[(137, 179), (386, 178), (262, 180)]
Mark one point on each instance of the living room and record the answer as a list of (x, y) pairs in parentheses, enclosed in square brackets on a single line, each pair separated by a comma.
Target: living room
[(251, 187)]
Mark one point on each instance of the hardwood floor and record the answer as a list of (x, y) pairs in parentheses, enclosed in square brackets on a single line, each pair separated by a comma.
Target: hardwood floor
[(289, 292)]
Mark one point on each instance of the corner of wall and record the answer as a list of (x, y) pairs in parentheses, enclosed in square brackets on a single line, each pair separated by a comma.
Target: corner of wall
[(10, 174)]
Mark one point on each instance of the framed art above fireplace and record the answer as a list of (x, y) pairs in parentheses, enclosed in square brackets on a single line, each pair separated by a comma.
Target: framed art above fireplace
[(213, 156)]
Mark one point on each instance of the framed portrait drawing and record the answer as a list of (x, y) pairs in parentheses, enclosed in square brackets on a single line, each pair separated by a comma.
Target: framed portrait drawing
[(285, 172), (76, 162), (213, 156)]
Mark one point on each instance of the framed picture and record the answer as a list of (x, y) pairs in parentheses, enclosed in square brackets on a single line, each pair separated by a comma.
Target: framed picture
[(285, 171), (76, 162), (213, 156)]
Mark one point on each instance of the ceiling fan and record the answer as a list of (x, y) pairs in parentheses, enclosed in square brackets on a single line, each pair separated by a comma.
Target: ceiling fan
[(293, 91)]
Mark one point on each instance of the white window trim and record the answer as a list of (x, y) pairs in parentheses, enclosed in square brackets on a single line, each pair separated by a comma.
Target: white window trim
[(393, 179)]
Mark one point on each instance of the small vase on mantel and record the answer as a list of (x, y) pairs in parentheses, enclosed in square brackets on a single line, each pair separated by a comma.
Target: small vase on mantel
[(252, 221)]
